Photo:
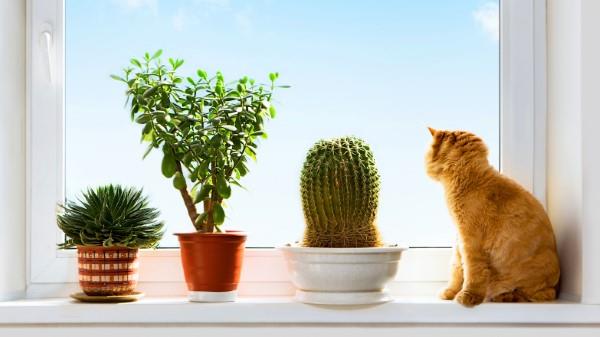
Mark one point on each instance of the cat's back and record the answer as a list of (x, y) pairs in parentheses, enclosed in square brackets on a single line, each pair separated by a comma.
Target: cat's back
[(515, 203), (505, 210), (519, 229)]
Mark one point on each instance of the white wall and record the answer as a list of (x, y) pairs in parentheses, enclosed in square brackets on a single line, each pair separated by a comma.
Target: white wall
[(574, 142), (291, 330), (590, 141), (564, 137), (12, 148)]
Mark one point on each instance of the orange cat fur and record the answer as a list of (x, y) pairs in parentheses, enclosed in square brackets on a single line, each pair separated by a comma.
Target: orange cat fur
[(506, 250)]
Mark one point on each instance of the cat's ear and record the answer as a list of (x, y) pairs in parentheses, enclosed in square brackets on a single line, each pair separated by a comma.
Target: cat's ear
[(432, 131)]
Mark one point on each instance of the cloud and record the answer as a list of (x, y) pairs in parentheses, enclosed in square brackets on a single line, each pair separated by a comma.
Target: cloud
[(196, 12), (488, 17), (212, 3), (244, 23), (179, 20), (131, 5)]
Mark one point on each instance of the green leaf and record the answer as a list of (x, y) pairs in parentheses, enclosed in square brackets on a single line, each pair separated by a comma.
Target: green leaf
[(218, 214), (202, 169), (149, 91), (156, 54), (143, 118), (168, 167), (202, 74), (242, 169), (136, 63), (177, 64), (147, 152), (115, 77), (236, 183), (216, 140), (203, 193), (223, 187), (187, 158), (273, 76), (148, 137), (179, 181), (229, 127), (134, 109), (272, 111), (250, 153), (147, 133), (194, 189)]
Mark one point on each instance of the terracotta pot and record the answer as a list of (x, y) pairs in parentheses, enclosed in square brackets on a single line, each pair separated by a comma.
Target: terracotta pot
[(106, 271), (212, 264)]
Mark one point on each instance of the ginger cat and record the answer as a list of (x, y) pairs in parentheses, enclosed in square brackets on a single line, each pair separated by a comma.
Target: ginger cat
[(506, 251)]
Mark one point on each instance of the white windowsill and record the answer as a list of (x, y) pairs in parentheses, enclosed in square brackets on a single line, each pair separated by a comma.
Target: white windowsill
[(285, 310)]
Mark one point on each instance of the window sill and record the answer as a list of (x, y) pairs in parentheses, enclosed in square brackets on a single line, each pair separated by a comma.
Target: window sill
[(281, 310)]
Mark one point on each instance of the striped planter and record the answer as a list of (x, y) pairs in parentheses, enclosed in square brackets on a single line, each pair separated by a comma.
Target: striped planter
[(106, 271)]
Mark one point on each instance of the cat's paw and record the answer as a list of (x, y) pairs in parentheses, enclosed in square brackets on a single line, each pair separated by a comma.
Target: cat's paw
[(468, 298), (448, 294)]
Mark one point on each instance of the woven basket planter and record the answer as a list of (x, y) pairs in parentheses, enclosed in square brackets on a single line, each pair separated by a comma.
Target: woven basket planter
[(107, 271)]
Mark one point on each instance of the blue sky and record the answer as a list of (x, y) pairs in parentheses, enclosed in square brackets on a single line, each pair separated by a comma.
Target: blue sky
[(381, 70)]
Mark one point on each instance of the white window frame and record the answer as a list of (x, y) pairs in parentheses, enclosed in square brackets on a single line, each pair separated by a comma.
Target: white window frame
[(52, 272)]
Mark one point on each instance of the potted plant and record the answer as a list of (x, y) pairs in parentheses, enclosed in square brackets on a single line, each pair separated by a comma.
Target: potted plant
[(341, 259), (108, 225), (207, 130)]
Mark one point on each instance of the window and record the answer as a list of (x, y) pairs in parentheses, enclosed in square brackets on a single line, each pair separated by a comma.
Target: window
[(381, 72)]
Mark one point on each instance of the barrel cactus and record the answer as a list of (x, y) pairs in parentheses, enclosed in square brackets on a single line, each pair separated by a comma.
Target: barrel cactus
[(340, 194)]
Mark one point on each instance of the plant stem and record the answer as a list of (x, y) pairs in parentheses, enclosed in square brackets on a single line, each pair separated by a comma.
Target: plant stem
[(209, 219), (187, 199), (209, 226)]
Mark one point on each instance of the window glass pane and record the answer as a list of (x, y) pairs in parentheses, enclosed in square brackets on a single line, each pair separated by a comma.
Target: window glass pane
[(383, 71)]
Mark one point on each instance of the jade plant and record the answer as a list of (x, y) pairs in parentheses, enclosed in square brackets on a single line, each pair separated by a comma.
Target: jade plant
[(110, 216), (339, 187), (205, 128)]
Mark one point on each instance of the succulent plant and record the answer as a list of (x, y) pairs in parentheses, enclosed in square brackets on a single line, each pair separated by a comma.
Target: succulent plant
[(206, 128), (340, 192), (110, 216)]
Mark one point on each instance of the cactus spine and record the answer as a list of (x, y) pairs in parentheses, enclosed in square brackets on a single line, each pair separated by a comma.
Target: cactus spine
[(340, 194)]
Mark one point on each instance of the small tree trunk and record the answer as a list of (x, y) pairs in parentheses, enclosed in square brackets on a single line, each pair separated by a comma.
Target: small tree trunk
[(189, 202), (208, 225)]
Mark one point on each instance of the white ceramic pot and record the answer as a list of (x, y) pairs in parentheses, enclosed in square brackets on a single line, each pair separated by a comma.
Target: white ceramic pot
[(342, 276)]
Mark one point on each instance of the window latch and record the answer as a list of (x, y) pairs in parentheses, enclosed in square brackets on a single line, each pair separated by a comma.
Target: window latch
[(46, 43)]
